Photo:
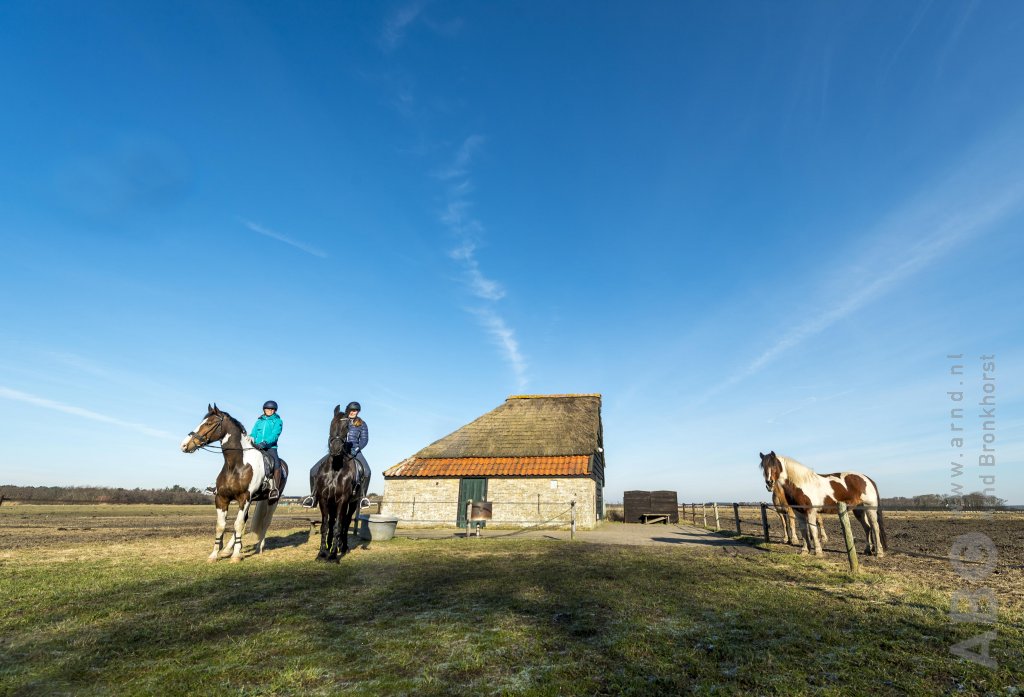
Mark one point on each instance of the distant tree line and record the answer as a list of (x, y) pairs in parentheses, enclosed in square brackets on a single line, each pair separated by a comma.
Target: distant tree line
[(96, 494), (974, 501)]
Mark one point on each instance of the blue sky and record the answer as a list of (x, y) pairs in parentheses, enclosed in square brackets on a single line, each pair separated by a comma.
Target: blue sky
[(748, 225)]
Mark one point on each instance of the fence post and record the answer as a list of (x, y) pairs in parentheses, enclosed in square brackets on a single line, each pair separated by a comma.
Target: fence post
[(718, 525), (764, 522), (736, 512), (572, 520), (704, 514), (851, 548)]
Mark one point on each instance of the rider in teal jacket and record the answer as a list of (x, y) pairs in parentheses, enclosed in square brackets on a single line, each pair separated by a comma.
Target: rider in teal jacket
[(267, 428), (265, 433)]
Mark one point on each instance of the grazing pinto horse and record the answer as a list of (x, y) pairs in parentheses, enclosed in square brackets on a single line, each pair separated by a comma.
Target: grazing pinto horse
[(242, 479), (334, 490), (810, 493)]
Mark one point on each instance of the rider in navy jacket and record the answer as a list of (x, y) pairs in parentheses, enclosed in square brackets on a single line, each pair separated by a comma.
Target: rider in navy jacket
[(358, 437)]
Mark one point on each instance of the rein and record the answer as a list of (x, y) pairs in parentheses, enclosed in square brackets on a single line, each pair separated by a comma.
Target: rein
[(206, 443), (220, 448)]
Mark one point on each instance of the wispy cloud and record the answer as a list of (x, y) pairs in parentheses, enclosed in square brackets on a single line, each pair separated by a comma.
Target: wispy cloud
[(397, 25), (17, 396), (467, 230), (460, 165), (505, 338), (980, 195), (255, 227)]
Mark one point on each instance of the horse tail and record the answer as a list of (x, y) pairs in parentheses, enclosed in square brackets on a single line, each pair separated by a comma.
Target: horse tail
[(878, 503), (881, 529), (260, 521)]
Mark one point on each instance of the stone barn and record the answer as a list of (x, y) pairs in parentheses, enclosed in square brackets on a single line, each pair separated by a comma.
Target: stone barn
[(530, 458)]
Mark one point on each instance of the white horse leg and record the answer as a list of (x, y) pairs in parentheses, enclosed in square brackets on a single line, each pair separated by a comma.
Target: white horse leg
[(236, 554), (218, 536), (812, 523), (821, 528), (862, 517), (791, 533), (875, 535), (804, 533)]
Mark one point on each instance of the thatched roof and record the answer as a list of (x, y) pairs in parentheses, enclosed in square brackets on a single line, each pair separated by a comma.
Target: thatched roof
[(543, 466), (552, 433), (527, 426)]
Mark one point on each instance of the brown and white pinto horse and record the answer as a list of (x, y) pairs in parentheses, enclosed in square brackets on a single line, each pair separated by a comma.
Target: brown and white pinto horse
[(810, 494), (242, 479), (788, 518)]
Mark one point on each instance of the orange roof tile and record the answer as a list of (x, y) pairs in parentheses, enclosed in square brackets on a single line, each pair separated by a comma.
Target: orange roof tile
[(542, 466)]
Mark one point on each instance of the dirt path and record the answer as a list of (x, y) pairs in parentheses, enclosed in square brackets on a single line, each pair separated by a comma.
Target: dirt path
[(607, 533)]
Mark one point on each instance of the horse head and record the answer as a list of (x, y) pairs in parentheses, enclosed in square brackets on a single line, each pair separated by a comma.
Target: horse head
[(773, 470), (338, 433), (209, 430)]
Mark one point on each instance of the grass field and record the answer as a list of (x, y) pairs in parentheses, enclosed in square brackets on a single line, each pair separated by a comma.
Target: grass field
[(120, 601)]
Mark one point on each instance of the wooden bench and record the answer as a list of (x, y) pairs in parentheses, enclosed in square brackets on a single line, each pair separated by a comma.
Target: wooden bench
[(646, 518)]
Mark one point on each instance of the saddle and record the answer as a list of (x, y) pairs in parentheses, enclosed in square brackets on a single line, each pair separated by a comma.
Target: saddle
[(281, 476)]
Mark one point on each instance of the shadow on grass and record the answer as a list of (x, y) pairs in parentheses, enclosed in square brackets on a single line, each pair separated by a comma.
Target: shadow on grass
[(709, 541), (524, 616)]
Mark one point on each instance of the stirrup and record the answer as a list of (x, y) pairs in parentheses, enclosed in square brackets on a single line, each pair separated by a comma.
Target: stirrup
[(364, 502), (308, 502), (210, 491)]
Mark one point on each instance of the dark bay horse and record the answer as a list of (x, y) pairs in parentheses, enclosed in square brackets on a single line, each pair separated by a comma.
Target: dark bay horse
[(810, 494), (242, 479), (334, 490)]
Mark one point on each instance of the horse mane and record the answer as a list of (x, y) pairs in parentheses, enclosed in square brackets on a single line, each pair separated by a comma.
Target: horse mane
[(235, 421), (797, 473)]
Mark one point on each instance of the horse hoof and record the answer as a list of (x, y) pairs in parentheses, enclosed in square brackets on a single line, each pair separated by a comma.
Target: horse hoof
[(235, 560), (212, 558), (802, 551)]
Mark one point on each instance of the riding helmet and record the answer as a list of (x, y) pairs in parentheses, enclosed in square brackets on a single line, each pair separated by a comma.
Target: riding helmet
[(353, 406), (270, 404)]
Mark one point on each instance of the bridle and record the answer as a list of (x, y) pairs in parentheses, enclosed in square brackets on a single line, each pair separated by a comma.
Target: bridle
[(205, 440), (336, 437)]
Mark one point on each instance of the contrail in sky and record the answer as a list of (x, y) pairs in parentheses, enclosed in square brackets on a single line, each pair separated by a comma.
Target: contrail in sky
[(255, 227), (6, 392), (953, 213)]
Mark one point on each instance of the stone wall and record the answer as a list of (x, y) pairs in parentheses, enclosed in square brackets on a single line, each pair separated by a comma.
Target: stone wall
[(429, 503), (517, 502)]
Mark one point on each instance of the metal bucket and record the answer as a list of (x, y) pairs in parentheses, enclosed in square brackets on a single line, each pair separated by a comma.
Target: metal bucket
[(377, 527)]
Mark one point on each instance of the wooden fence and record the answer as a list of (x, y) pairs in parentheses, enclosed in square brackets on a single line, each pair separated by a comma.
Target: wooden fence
[(754, 520)]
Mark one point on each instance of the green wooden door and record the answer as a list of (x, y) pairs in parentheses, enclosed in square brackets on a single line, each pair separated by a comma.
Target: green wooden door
[(470, 489)]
